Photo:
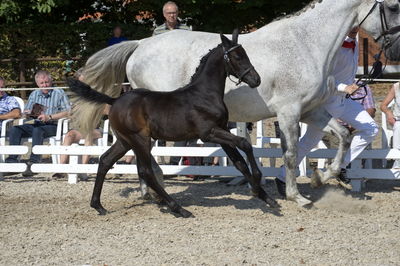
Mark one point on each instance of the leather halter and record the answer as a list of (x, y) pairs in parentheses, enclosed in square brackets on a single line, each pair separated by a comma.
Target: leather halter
[(386, 44), (228, 66)]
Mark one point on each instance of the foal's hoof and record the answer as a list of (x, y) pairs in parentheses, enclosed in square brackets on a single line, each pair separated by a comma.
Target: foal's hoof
[(272, 203), (185, 214), (101, 211), (178, 213), (267, 199)]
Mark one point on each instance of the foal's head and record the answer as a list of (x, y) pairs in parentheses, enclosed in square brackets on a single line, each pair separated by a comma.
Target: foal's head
[(237, 62)]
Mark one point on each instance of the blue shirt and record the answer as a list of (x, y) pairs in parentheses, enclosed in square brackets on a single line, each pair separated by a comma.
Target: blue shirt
[(56, 101), (115, 40), (7, 104)]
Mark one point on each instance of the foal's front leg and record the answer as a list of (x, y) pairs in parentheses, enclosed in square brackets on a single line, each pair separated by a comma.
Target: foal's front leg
[(229, 142), (107, 160)]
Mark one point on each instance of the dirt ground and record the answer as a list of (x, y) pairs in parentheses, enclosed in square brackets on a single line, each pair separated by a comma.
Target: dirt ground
[(50, 223)]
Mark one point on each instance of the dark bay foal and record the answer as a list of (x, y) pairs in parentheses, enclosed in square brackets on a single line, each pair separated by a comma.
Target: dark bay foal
[(194, 111)]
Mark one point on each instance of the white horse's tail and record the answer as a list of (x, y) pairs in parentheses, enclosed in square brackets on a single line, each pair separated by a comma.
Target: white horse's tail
[(104, 72)]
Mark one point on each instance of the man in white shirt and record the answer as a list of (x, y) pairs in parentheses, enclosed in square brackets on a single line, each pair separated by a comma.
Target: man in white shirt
[(345, 109)]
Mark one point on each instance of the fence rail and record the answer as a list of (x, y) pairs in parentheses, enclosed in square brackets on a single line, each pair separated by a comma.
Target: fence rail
[(355, 173)]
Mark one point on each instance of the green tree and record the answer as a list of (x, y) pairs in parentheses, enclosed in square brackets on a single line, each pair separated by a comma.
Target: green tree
[(36, 28)]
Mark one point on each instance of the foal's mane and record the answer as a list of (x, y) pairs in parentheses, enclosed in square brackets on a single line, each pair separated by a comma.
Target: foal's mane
[(202, 64), (311, 5)]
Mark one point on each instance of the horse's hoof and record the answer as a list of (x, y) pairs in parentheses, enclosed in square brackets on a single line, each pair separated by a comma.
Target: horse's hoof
[(303, 202), (316, 179), (300, 200)]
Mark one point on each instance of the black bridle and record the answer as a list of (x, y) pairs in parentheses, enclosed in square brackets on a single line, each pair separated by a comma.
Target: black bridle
[(386, 44), (230, 70)]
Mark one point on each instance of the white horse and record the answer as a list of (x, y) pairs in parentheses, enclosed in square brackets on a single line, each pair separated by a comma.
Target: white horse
[(294, 57)]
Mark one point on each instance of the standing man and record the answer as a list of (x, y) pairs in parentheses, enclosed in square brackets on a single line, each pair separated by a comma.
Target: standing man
[(343, 108), (117, 36), (55, 105), (9, 107), (170, 12)]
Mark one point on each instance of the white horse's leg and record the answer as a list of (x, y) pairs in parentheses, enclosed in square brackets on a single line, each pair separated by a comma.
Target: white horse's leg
[(324, 121), (289, 128)]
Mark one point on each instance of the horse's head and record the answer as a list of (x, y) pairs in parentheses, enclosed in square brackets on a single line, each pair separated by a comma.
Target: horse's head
[(381, 19), (237, 62)]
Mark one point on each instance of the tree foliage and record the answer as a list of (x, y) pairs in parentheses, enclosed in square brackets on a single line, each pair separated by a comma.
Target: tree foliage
[(38, 28)]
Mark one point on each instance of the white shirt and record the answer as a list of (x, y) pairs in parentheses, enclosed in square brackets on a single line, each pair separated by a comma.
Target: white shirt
[(346, 65)]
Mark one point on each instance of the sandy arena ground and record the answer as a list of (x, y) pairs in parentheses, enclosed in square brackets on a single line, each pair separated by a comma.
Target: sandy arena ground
[(50, 223)]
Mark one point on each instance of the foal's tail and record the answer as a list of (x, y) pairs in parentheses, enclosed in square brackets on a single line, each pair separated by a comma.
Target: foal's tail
[(104, 72), (88, 94)]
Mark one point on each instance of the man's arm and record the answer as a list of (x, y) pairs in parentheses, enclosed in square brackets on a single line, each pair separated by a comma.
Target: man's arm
[(368, 102), (13, 114), (384, 106), (56, 116), (63, 105), (349, 89)]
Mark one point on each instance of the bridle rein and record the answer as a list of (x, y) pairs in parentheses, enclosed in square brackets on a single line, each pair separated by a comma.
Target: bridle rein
[(387, 43), (230, 70)]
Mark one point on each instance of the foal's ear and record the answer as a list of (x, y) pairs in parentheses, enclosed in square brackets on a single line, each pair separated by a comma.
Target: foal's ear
[(235, 36), (225, 41)]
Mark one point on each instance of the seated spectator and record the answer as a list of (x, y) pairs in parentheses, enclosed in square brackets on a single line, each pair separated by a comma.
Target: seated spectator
[(9, 107), (393, 117), (117, 38), (55, 106), (74, 136)]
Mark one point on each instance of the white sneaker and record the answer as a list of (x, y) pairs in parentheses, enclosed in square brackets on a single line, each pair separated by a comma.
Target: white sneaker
[(396, 164)]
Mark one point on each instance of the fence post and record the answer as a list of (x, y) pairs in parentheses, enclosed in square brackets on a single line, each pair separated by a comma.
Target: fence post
[(73, 160), (356, 184), (22, 71), (365, 55)]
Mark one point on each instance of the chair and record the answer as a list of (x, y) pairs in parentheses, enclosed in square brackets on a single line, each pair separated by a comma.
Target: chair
[(387, 133), (6, 125), (54, 140), (59, 138)]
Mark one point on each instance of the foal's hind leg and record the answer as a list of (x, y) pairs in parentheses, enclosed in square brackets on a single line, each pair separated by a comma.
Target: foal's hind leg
[(107, 160), (141, 146), (229, 142)]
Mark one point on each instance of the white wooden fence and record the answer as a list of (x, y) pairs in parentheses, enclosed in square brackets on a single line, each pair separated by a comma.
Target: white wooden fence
[(356, 173)]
